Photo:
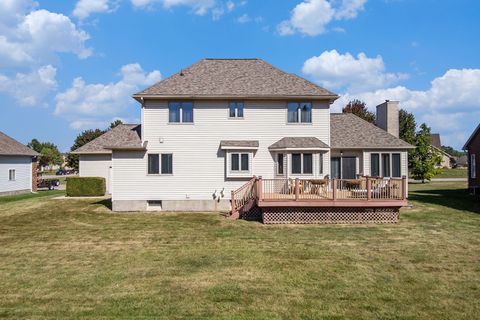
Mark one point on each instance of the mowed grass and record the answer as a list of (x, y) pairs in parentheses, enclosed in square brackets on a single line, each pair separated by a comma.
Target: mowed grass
[(453, 173), (76, 259)]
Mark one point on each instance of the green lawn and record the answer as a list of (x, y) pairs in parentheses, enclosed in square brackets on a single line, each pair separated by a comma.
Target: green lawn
[(453, 173), (76, 259)]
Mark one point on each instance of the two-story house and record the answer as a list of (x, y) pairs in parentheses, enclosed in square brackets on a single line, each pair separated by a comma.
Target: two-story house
[(208, 129)]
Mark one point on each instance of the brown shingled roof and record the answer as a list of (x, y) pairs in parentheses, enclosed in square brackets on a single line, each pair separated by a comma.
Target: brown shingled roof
[(347, 131), (224, 144), (11, 147), (298, 143), (124, 136), (240, 78)]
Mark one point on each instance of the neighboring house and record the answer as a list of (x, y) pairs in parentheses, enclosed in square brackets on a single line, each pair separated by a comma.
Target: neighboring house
[(210, 128), (462, 161), (472, 146), (95, 157), (18, 167), (447, 160)]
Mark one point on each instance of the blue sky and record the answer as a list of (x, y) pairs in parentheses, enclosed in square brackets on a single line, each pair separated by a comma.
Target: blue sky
[(66, 66)]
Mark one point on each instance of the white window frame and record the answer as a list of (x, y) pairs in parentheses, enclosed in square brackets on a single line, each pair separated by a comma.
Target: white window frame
[(181, 112), (277, 171), (14, 174), (236, 110), (473, 166), (299, 113), (239, 173), (390, 161), (320, 163), (302, 173), (159, 164)]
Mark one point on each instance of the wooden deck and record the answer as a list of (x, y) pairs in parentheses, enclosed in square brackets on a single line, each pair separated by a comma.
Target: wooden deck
[(364, 200)]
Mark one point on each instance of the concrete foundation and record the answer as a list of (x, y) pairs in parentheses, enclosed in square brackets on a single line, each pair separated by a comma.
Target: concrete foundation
[(195, 205), (129, 205), (171, 205), (13, 193)]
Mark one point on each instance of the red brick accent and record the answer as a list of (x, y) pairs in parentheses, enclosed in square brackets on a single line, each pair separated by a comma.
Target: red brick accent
[(34, 174), (474, 148)]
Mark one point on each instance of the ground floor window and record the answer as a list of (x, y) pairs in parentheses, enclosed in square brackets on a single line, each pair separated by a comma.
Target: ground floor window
[(302, 163), (280, 163), (473, 167), (343, 167), (239, 162), (166, 165), (11, 175), (385, 165)]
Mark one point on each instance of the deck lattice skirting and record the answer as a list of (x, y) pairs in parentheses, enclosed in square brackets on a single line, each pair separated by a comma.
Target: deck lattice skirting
[(329, 215)]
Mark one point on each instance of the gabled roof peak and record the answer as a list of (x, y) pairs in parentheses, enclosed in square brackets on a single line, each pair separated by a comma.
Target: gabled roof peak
[(243, 78)]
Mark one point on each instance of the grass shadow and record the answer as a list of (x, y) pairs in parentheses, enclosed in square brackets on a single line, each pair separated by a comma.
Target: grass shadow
[(107, 203), (458, 199)]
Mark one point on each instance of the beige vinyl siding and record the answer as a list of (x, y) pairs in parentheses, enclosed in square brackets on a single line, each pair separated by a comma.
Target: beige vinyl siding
[(23, 173), (96, 165), (198, 163)]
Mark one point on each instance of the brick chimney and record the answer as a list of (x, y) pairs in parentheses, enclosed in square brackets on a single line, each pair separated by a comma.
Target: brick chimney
[(387, 117)]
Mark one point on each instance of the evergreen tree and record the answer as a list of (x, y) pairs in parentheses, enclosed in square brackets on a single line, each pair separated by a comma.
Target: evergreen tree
[(407, 128)]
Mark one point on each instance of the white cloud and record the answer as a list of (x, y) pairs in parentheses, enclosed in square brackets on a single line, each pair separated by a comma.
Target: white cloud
[(344, 71), (349, 9), (84, 8), (244, 18), (96, 102), (200, 7), (311, 17), (450, 105), (30, 89), (31, 38), (230, 6)]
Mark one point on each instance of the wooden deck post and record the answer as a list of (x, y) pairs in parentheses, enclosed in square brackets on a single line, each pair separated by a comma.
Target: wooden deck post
[(260, 188), (232, 200), (369, 189), (334, 188), (404, 188), (297, 189)]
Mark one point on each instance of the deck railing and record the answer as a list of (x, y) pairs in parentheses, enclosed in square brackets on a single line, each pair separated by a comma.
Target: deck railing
[(244, 195), (365, 188)]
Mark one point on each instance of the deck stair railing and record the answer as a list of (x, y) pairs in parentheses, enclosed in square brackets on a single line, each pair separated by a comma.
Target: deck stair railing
[(244, 198)]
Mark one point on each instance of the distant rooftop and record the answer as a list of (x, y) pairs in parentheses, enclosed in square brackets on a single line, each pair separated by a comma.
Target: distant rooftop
[(230, 78), (11, 147)]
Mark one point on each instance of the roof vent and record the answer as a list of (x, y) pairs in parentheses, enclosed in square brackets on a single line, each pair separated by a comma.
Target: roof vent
[(181, 73)]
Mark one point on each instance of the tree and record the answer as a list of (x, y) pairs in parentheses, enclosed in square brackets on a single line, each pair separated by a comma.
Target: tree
[(49, 153), (82, 139), (451, 151), (424, 157), (359, 108), (115, 123), (408, 126), (35, 145)]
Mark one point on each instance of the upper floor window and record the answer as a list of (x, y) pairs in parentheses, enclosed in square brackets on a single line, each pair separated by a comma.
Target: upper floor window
[(235, 110), (240, 162), (299, 112), (180, 112)]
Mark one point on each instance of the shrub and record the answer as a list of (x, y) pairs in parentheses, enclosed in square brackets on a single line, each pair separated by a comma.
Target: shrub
[(85, 186)]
